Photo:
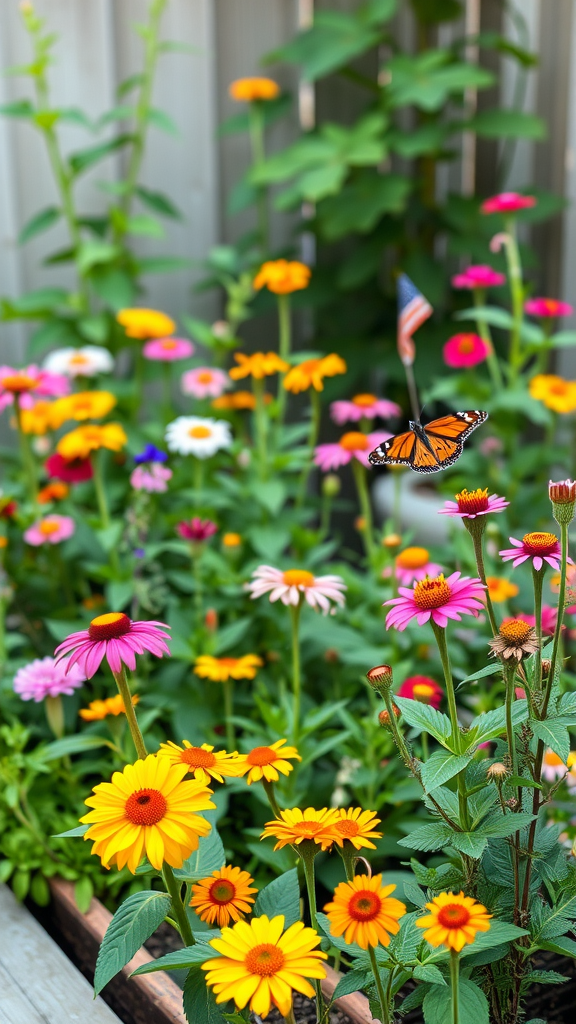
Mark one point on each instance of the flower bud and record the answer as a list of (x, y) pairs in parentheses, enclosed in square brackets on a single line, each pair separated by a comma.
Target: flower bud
[(360, 524), (331, 485), (392, 541), (384, 717), (211, 620), (380, 678), (563, 498), (497, 772), (331, 656), (546, 664)]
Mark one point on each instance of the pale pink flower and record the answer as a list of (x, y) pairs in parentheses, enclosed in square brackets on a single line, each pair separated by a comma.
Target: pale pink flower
[(28, 384), (168, 350), (540, 547), (548, 307), (151, 477), (499, 240), (294, 585), (115, 637), (438, 599), (507, 202), (353, 445), (470, 504), (478, 276), (363, 406), (46, 677), (553, 768), (50, 529), (549, 616), (197, 529), (462, 351), (205, 382)]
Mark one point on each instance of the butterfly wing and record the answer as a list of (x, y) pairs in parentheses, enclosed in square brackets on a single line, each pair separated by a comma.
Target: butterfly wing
[(396, 451), (447, 434)]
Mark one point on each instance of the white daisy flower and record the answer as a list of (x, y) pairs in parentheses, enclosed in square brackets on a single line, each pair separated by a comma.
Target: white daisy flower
[(553, 767), (195, 435), (292, 586), (79, 362)]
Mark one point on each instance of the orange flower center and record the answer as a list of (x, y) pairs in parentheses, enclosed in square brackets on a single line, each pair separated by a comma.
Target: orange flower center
[(422, 692), (354, 441), (552, 759), (265, 959), (222, 891), (145, 807), (48, 527), (198, 758), (109, 626), (466, 344), (18, 382), (200, 432), (515, 631), (364, 401), (78, 360), (205, 377), (453, 915), (308, 829), (431, 593), (413, 558), (364, 905), (540, 543), (228, 662), (169, 344), (473, 501), (298, 578), (262, 755), (559, 387), (347, 827)]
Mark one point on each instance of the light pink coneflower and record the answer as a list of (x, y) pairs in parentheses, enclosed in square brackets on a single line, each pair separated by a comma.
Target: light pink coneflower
[(549, 616), (353, 445), (293, 585), (46, 677), (115, 637), (51, 529), (168, 350), (438, 599), (205, 382), (540, 547), (363, 406), (470, 504)]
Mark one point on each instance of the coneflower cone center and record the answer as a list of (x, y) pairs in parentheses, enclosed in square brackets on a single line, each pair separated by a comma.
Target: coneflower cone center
[(261, 756), (422, 692), (222, 891), (354, 441), (364, 401), (453, 915), (364, 905), (540, 543), (109, 626), (298, 578), (431, 593), (347, 828), (198, 758), (515, 631), (472, 502), (413, 558), (265, 959), (145, 807)]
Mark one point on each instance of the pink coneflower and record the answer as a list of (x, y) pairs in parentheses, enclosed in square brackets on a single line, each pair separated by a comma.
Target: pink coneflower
[(46, 677), (549, 616), (205, 382), (363, 406), (479, 276), (197, 529), (414, 564), (508, 202), (470, 504), (168, 350), (423, 689), (71, 471), (438, 599), (462, 351), (548, 307), (353, 445), (152, 477), (293, 585), (115, 637), (50, 530), (540, 547)]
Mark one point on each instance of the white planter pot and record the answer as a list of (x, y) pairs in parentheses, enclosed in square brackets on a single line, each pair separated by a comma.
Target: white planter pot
[(418, 506)]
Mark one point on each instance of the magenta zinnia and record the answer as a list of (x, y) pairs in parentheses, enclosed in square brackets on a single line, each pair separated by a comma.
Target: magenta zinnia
[(438, 599), (115, 637)]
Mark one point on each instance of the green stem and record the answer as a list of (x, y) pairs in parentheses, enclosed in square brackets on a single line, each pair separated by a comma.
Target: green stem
[(440, 634), (228, 715), (198, 477), (167, 391), (365, 509), (307, 852), (123, 689), (296, 672), (315, 416), (559, 617), (476, 528), (454, 982), (284, 347), (27, 456), (256, 130), (484, 332), (538, 579), (261, 423), (425, 750), (509, 675), (269, 790), (55, 715), (175, 889), (516, 295), (349, 857), (379, 986), (289, 1017), (100, 491)]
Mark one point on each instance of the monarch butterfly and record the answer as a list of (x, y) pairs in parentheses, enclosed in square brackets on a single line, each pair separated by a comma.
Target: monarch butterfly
[(431, 448)]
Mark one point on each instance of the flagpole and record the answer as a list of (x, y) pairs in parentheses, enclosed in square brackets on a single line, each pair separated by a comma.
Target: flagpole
[(412, 391)]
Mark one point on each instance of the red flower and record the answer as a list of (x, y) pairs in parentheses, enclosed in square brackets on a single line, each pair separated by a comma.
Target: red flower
[(422, 688), (197, 529), (507, 202), (71, 471)]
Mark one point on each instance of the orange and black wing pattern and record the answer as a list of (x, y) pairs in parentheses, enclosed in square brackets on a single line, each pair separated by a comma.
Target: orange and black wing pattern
[(431, 448)]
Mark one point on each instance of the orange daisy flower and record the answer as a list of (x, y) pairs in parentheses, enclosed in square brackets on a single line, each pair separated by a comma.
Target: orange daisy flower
[(258, 365), (266, 762), (311, 373), (246, 90), (294, 826), (226, 895), (99, 709), (282, 276), (220, 670), (364, 912), (203, 763), (454, 920), (357, 827)]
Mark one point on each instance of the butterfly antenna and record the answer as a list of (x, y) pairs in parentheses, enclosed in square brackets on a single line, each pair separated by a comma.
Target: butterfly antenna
[(412, 391)]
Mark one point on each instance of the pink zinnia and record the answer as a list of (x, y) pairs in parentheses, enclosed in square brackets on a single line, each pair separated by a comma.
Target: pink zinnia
[(479, 276), (46, 677), (293, 585), (540, 547), (115, 637), (363, 406), (470, 504), (31, 379), (205, 382), (71, 471), (438, 599), (507, 202), (548, 307), (465, 350), (353, 445), (151, 477), (549, 616), (197, 529), (168, 350), (423, 689), (50, 530)]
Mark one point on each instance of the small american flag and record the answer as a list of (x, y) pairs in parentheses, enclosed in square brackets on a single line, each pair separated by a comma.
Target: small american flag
[(413, 310)]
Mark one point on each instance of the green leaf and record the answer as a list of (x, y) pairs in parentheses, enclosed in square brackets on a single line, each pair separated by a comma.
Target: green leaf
[(159, 119), (142, 224), (20, 108), (426, 718), (40, 222), (163, 264), (83, 893), (113, 286), (429, 973), (429, 79), (431, 13), (489, 670), (501, 124), (159, 202), (281, 896), (492, 723), (362, 202), (229, 636), (492, 315), (499, 826), (334, 40), (554, 733), (198, 1000), (442, 766), (134, 922), (519, 780), (470, 843), (180, 959), (351, 948), (353, 981), (428, 837), (207, 858), (73, 745), (80, 830), (80, 162), (499, 933), (91, 253), (563, 339), (473, 1004)]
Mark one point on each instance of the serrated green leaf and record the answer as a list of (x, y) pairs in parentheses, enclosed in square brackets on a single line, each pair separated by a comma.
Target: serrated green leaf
[(159, 202), (469, 843), (430, 974), (179, 959), (353, 981), (441, 767), (492, 723), (473, 1004), (198, 1000), (499, 826), (428, 837), (281, 896), (554, 733), (134, 922), (207, 858), (426, 718)]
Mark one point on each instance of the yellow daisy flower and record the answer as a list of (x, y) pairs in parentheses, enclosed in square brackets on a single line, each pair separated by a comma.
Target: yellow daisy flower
[(357, 827), (202, 762), (260, 963), (226, 895), (148, 808), (266, 762), (554, 392), (249, 89), (258, 365), (81, 442), (294, 826), (500, 589), (364, 912), (84, 405), (38, 419), (311, 373), (220, 670), (99, 709), (145, 323), (454, 920)]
